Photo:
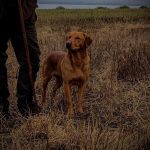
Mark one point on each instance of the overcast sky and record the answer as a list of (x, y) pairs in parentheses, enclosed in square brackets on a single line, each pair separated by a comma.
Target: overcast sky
[(119, 2)]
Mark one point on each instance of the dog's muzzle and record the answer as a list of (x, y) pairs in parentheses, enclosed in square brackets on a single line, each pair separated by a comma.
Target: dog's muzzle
[(68, 44)]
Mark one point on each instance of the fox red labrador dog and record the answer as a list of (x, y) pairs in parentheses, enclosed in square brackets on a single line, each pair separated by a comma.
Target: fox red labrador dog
[(69, 68)]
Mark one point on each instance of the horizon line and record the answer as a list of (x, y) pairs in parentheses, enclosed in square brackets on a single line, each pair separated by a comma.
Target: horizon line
[(82, 3)]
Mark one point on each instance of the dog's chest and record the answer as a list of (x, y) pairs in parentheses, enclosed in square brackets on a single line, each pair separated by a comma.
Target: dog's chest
[(75, 74), (76, 77)]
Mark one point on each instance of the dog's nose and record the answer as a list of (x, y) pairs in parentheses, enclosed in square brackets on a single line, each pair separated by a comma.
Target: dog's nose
[(68, 44)]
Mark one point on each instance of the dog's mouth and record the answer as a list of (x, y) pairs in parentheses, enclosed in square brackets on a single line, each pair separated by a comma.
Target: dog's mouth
[(69, 47), (73, 49)]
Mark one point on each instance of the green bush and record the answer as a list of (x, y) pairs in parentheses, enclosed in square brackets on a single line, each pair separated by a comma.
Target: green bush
[(100, 7), (60, 7), (124, 7), (143, 7)]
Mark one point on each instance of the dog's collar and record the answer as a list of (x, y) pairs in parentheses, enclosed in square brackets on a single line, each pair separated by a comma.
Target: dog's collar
[(76, 50)]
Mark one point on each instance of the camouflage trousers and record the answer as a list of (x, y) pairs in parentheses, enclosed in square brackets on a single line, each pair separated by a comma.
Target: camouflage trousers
[(10, 30)]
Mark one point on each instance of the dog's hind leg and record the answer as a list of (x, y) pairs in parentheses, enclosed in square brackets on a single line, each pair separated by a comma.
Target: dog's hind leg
[(57, 85), (44, 86)]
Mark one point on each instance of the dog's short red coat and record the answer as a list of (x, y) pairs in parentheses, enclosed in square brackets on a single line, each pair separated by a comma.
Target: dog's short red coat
[(69, 68)]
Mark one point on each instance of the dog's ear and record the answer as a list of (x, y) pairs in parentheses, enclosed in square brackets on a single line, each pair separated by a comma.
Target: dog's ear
[(88, 40)]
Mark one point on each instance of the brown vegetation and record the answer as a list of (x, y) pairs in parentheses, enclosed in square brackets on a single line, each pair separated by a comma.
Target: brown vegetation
[(116, 102)]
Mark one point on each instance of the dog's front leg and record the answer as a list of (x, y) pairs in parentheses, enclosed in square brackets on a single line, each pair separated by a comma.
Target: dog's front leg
[(81, 88), (67, 88)]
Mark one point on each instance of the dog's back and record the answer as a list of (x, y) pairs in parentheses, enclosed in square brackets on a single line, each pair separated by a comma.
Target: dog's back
[(51, 64)]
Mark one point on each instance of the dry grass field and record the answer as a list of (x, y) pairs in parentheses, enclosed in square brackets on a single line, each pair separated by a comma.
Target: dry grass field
[(117, 97)]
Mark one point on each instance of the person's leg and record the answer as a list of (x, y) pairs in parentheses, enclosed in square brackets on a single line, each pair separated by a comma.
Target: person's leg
[(34, 51), (24, 89), (4, 92)]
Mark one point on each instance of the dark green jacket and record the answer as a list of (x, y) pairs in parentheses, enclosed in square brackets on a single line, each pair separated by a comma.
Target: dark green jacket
[(2, 8), (27, 5)]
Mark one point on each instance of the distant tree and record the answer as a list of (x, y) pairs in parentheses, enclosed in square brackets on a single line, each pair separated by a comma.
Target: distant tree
[(100, 7), (60, 7), (143, 7), (124, 7)]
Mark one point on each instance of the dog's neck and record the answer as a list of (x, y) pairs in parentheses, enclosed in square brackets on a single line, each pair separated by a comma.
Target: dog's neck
[(78, 58)]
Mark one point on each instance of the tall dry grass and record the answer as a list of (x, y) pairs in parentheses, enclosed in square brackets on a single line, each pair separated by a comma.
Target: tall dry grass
[(117, 98)]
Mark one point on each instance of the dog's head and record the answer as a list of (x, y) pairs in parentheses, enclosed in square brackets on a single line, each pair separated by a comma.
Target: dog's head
[(77, 41)]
